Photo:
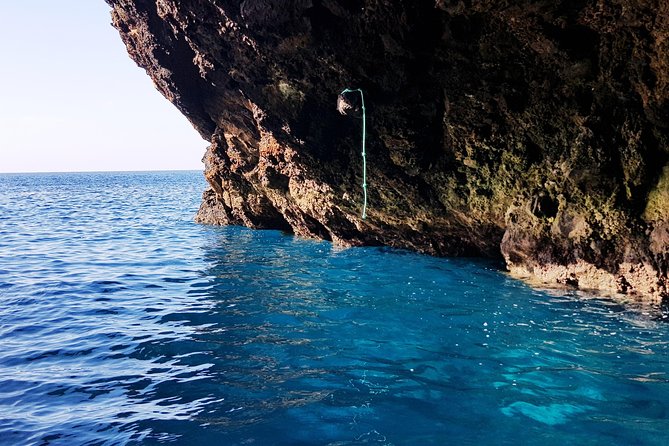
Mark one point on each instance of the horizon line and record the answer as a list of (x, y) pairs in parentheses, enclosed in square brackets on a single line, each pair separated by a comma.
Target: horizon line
[(100, 171)]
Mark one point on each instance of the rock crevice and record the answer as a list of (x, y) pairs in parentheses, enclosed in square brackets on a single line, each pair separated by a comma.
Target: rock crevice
[(535, 130)]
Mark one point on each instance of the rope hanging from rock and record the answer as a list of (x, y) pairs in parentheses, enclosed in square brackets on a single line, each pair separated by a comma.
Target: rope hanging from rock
[(346, 106)]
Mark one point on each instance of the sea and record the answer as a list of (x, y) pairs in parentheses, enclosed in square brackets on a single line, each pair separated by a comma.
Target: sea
[(123, 322)]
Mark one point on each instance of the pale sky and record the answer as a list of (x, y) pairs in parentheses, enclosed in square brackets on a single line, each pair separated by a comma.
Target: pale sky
[(71, 99)]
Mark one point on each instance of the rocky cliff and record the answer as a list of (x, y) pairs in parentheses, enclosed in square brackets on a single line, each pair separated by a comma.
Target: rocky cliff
[(536, 130)]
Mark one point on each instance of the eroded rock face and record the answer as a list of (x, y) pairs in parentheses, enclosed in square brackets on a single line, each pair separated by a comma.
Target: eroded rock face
[(538, 130)]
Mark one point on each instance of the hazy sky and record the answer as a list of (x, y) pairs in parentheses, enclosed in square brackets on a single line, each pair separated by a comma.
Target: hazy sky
[(72, 100)]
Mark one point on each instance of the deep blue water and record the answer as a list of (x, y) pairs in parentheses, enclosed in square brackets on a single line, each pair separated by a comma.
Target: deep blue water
[(123, 322)]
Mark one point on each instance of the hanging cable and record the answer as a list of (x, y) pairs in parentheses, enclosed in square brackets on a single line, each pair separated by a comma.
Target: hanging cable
[(364, 137)]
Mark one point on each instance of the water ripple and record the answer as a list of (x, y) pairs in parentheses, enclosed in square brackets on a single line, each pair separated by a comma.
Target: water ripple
[(122, 322)]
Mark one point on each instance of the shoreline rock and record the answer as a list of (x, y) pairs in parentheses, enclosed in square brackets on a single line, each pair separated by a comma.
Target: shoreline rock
[(537, 132)]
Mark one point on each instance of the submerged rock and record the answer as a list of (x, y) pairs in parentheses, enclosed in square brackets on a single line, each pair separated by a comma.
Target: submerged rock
[(533, 130)]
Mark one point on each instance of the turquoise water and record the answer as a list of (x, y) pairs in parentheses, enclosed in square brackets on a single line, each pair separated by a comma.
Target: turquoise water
[(123, 322)]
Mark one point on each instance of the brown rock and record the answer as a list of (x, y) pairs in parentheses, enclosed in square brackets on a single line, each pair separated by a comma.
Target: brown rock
[(536, 130)]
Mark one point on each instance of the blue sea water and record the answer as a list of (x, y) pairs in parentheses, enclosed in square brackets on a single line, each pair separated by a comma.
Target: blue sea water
[(123, 322)]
